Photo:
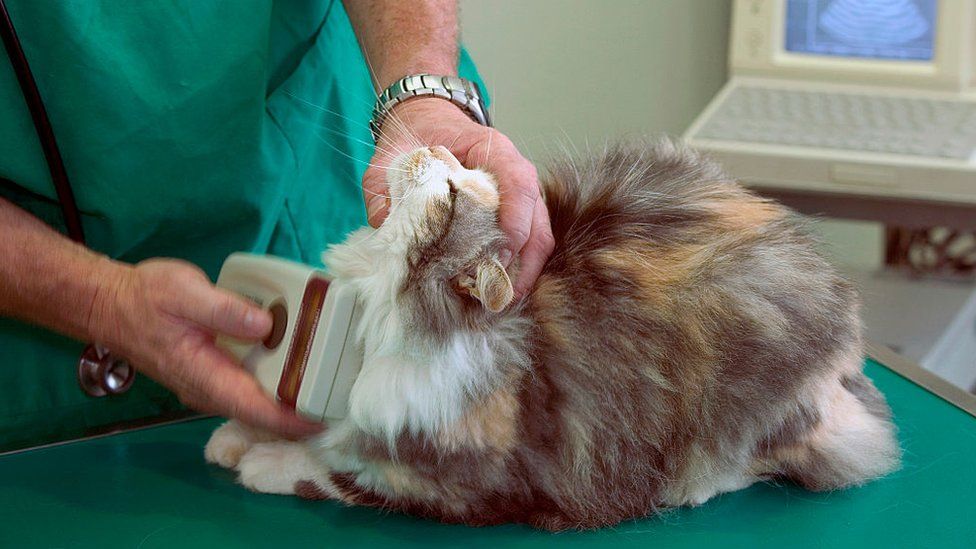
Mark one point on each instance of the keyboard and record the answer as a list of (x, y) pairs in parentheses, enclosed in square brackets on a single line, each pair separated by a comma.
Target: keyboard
[(846, 121)]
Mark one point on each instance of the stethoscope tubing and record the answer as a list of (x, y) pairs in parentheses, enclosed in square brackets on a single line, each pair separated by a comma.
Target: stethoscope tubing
[(99, 373), (42, 125)]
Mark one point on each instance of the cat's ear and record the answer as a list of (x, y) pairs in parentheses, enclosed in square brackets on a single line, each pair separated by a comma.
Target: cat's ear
[(490, 285)]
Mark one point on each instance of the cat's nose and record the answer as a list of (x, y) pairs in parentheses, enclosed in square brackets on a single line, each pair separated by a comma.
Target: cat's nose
[(441, 153)]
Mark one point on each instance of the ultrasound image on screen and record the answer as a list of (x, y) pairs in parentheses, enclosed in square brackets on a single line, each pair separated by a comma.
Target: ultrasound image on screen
[(879, 29)]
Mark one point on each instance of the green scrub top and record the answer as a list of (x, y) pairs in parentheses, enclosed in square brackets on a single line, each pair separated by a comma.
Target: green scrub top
[(189, 129)]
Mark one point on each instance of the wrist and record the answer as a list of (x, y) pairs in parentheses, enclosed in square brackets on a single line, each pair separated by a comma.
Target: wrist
[(402, 38), (106, 279), (411, 114), (464, 95)]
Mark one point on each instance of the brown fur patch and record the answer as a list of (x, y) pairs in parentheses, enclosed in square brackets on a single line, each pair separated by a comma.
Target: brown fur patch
[(485, 196), (351, 492), (554, 313), (788, 443), (657, 270), (307, 489), (745, 213), (488, 425), (438, 214), (402, 480), (406, 484)]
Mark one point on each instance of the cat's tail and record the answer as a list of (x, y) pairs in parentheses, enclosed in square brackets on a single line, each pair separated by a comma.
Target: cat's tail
[(852, 442)]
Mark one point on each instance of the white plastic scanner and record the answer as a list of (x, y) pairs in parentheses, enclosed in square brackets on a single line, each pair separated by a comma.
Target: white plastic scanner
[(310, 360)]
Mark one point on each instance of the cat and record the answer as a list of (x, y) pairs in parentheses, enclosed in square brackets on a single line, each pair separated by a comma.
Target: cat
[(685, 339)]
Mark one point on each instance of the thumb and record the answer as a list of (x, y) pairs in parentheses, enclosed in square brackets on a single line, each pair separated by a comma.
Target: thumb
[(224, 312)]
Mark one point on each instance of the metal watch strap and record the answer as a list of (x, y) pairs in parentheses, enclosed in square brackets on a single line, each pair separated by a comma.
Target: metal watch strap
[(463, 93)]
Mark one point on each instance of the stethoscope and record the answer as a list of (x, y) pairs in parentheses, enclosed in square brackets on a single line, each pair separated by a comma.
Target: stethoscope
[(100, 373)]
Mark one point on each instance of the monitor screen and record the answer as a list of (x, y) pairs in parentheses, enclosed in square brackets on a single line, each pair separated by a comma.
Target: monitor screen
[(874, 29)]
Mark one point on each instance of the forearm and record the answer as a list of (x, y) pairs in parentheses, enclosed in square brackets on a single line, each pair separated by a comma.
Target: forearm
[(45, 278), (400, 38)]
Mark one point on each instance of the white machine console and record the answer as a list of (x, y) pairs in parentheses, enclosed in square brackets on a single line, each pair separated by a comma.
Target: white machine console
[(850, 98)]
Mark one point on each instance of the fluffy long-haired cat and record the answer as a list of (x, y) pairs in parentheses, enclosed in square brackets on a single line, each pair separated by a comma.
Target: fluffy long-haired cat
[(684, 340)]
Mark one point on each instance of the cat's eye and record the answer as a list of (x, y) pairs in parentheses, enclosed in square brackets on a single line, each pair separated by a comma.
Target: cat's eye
[(452, 188)]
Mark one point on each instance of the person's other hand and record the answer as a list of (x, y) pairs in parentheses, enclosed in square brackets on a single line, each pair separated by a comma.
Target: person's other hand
[(522, 213), (163, 315)]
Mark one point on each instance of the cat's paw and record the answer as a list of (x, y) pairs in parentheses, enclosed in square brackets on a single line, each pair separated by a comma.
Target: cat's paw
[(227, 444), (279, 468)]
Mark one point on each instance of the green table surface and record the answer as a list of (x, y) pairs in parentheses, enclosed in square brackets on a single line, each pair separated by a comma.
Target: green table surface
[(151, 488)]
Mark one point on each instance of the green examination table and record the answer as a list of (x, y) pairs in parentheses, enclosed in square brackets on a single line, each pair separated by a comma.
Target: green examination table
[(151, 488)]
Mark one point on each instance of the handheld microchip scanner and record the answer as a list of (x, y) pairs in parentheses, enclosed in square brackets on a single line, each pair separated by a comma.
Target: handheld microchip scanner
[(310, 360)]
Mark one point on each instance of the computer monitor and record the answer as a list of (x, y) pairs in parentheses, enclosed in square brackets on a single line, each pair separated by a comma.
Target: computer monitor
[(864, 29), (920, 43)]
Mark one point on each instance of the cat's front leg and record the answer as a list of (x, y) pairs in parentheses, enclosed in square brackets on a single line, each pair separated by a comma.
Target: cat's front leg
[(285, 467)]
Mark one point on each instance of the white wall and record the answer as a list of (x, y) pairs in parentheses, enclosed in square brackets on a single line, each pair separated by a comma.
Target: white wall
[(588, 70)]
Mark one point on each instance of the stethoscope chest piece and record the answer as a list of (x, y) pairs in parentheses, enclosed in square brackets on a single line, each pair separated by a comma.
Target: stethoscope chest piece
[(100, 373)]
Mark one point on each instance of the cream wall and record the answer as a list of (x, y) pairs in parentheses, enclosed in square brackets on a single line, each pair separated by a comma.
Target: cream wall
[(588, 70)]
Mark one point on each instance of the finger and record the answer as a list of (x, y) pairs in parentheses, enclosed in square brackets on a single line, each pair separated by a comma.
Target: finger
[(228, 390), (223, 312), (536, 251), (518, 186), (375, 194)]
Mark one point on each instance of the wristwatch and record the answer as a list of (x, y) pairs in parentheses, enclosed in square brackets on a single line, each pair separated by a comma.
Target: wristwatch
[(463, 93)]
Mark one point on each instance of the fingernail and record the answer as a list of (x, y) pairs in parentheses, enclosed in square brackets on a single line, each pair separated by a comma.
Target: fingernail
[(505, 257), (254, 321)]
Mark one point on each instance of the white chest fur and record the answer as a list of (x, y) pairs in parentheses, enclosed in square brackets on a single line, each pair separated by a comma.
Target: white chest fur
[(405, 383), (419, 391)]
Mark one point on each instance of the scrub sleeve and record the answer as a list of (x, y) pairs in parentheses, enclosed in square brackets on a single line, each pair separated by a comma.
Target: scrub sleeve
[(189, 129)]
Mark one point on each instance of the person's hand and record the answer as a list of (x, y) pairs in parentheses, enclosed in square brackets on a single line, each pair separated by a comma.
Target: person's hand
[(522, 213), (162, 315)]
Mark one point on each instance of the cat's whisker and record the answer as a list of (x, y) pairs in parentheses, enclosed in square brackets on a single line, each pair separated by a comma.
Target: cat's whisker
[(398, 132), (378, 148), (377, 86), (391, 116), (325, 110), (488, 147), (455, 140), (572, 144), (411, 139), (353, 158), (374, 193), (403, 129)]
